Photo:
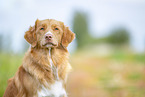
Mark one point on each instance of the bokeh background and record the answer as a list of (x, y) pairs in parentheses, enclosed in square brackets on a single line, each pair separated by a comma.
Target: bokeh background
[(107, 56)]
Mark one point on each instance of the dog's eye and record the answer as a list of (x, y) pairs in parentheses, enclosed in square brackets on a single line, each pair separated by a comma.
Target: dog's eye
[(56, 29), (41, 28)]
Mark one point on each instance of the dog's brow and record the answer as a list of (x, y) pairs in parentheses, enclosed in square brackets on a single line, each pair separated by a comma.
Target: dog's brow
[(44, 25)]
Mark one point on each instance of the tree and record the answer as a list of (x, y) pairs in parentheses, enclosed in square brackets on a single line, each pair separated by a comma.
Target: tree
[(80, 27), (118, 37)]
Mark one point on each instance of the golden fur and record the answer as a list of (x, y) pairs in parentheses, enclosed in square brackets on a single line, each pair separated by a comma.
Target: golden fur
[(35, 69)]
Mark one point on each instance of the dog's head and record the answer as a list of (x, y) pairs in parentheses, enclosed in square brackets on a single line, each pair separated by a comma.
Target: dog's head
[(49, 33)]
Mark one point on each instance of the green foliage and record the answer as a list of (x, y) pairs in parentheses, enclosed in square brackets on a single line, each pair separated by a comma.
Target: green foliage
[(8, 66), (80, 27), (120, 55), (135, 76), (118, 37)]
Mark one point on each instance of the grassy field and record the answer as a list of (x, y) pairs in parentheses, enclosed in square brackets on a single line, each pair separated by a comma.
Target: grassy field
[(8, 66), (117, 74)]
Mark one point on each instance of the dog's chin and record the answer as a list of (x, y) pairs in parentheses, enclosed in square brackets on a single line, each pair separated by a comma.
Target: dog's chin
[(49, 45)]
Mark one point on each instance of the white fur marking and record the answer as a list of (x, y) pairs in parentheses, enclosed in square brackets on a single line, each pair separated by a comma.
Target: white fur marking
[(55, 90), (48, 33), (49, 45), (54, 69), (51, 63)]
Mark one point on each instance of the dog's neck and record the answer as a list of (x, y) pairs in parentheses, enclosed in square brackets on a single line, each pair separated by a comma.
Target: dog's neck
[(53, 67), (45, 61)]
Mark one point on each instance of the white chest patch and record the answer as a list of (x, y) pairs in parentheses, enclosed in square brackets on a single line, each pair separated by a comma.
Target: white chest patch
[(56, 90)]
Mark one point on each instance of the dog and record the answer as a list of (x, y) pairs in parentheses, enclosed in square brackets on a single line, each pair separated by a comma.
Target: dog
[(45, 66)]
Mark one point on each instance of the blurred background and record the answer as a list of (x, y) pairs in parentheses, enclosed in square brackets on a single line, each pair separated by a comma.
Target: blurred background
[(107, 56)]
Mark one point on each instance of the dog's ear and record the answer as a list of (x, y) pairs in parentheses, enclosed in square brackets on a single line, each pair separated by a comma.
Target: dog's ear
[(67, 37), (30, 35)]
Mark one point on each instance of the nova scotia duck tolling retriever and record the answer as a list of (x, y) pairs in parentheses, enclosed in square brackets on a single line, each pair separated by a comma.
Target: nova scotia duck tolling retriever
[(45, 66)]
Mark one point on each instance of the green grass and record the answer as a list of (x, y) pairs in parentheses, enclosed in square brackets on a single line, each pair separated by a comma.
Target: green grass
[(119, 74), (124, 56), (8, 66)]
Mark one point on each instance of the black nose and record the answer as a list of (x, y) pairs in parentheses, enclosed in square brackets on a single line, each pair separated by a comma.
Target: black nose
[(48, 37)]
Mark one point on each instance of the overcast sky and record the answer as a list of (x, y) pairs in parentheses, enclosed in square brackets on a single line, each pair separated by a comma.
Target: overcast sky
[(104, 15)]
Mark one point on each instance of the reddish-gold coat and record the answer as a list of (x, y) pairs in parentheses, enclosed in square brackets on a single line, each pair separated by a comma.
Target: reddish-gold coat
[(35, 69)]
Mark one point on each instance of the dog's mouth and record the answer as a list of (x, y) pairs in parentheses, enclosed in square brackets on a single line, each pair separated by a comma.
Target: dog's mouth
[(49, 44)]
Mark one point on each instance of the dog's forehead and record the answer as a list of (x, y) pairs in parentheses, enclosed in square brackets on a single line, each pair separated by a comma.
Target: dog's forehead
[(50, 22)]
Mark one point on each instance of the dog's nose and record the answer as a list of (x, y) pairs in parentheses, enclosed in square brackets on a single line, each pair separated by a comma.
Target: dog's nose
[(48, 37)]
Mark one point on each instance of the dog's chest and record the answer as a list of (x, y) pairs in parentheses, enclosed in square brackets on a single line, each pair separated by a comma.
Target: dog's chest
[(55, 90)]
